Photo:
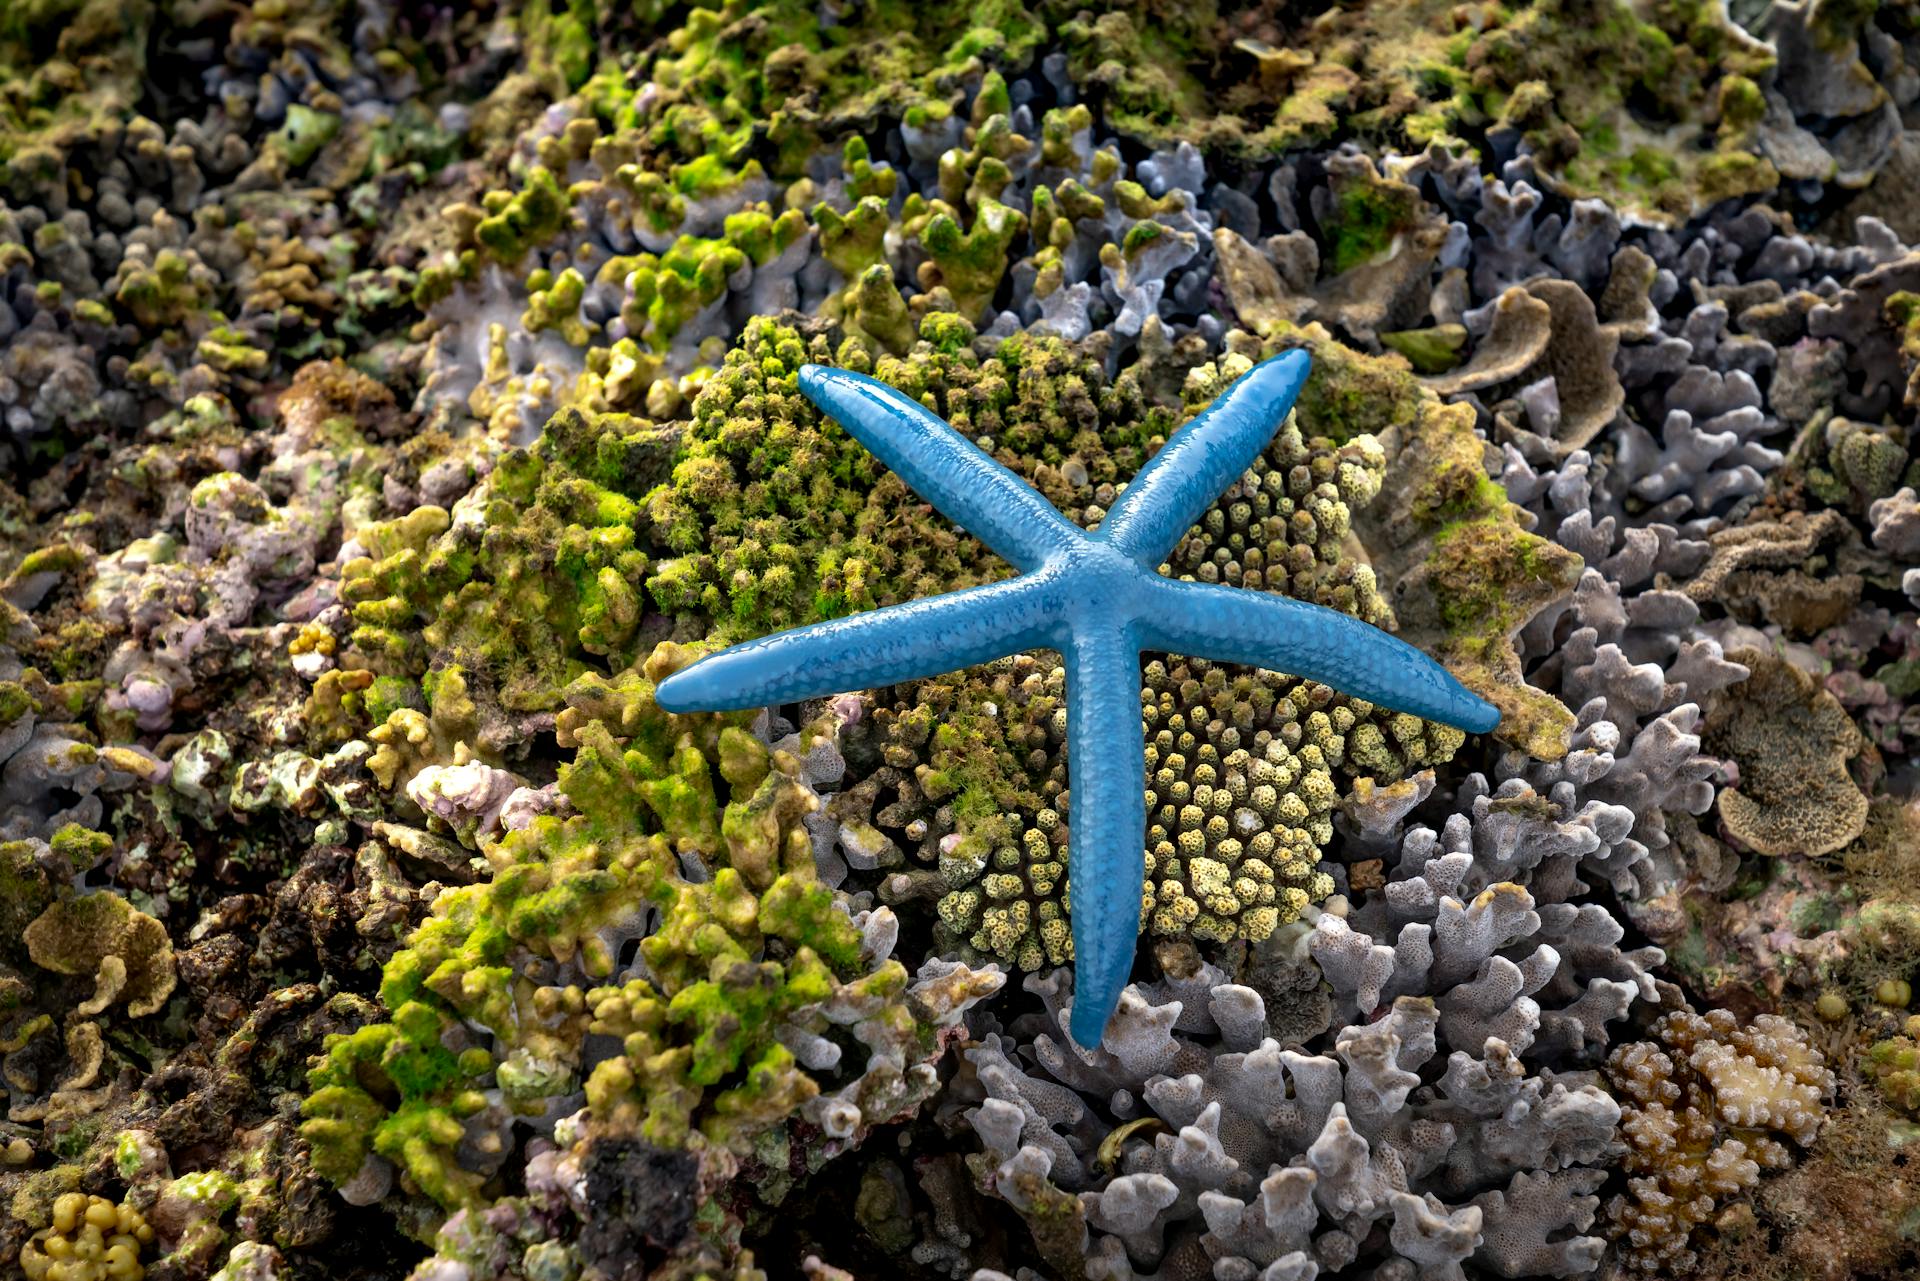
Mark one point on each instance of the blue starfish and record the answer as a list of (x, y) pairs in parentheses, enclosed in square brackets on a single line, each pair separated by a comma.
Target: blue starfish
[(1098, 599)]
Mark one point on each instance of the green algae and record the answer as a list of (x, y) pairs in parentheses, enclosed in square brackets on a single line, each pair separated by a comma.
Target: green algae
[(732, 957), (1367, 215)]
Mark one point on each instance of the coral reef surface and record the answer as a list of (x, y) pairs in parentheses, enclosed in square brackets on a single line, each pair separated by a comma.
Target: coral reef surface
[(393, 395)]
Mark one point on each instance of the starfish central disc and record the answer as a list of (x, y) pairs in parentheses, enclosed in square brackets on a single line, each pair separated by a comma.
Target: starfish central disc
[(1097, 599), (1101, 581)]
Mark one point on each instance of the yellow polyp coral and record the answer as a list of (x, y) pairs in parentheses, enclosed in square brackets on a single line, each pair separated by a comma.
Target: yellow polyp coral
[(1242, 771), (1285, 527), (1238, 806), (970, 778), (90, 1239)]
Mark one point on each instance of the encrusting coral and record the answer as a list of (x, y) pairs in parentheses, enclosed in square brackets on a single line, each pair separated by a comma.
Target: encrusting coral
[(124, 951), (1792, 742)]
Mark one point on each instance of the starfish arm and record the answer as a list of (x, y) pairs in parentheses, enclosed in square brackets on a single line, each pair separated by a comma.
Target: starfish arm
[(1175, 489), (867, 651), (943, 467), (1234, 625), (1107, 820)]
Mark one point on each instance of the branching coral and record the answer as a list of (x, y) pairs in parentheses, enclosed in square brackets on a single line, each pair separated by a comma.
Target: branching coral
[(1706, 1105), (1265, 1158)]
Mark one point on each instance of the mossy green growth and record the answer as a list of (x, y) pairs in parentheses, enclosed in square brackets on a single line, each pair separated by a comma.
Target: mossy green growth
[(969, 262), (66, 64), (667, 291), (545, 589), (731, 959), (1349, 394), (1666, 59), (876, 311), (1433, 350), (231, 351), (1861, 464), (80, 847), (775, 516), (15, 702), (560, 42), (862, 178), (428, 1090), (855, 240), (521, 220), (162, 295), (1902, 311), (556, 305), (304, 133), (714, 995), (1602, 88), (25, 892), (1893, 1065), (734, 74), (1367, 213), (1149, 59), (1742, 106)]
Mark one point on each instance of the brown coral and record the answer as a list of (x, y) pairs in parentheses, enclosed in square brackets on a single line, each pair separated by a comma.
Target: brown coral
[(1798, 571), (1839, 1214), (1792, 741), (1704, 1107), (1260, 295), (126, 951), (1522, 326), (1466, 575), (1579, 359)]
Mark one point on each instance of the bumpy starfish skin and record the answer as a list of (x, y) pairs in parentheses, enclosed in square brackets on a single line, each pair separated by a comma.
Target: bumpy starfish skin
[(1096, 598)]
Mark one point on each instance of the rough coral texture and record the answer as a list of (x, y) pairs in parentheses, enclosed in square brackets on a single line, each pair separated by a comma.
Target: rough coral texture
[(1791, 741), (390, 394), (1707, 1106), (495, 996)]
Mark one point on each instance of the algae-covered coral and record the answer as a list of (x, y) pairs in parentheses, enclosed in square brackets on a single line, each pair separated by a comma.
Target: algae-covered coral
[(392, 395)]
